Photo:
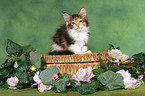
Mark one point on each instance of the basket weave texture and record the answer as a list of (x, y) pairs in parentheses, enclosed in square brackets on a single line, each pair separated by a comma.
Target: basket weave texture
[(71, 63)]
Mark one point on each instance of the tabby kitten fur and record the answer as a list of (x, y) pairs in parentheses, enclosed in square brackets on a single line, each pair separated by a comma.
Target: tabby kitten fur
[(72, 37)]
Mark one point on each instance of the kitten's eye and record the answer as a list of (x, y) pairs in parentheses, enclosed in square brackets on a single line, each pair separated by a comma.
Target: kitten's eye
[(80, 21), (73, 23)]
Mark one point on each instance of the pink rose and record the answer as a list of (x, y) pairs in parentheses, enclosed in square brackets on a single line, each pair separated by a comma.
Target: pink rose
[(54, 77)]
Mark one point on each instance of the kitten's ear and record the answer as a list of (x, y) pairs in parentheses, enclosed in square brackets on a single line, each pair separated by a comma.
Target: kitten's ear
[(83, 12), (66, 17)]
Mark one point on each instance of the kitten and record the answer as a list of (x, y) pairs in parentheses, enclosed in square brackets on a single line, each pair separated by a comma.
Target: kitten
[(72, 37)]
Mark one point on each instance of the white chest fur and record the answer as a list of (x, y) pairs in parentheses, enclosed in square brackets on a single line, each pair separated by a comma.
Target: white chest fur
[(80, 37)]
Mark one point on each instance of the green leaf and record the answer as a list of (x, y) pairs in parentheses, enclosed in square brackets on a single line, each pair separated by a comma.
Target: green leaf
[(118, 48), (4, 86), (111, 47), (61, 85), (13, 47), (10, 60), (28, 49), (139, 58), (98, 71), (8, 63), (88, 88), (23, 57), (47, 74), (35, 59), (21, 71), (66, 77), (5, 73), (43, 63), (102, 65), (111, 80)]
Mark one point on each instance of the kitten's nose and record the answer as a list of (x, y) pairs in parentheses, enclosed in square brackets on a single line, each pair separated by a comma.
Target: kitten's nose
[(78, 26)]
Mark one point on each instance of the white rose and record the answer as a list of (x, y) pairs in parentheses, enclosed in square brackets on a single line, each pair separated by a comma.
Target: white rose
[(75, 78), (13, 81), (129, 82), (33, 68), (79, 76), (115, 61), (124, 58), (124, 73), (36, 78), (16, 64), (127, 78), (12, 87), (41, 86), (83, 75), (89, 74), (115, 53)]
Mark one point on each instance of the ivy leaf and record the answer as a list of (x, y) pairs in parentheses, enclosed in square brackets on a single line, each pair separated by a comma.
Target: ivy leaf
[(5, 73), (47, 74), (102, 65), (10, 60), (5, 86), (111, 80), (88, 88), (98, 71), (43, 63), (35, 59), (139, 58), (61, 85), (23, 57), (21, 71), (111, 47), (118, 48), (66, 77), (28, 49), (13, 47)]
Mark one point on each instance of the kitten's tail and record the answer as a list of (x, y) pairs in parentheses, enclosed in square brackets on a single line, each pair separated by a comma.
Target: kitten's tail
[(61, 52)]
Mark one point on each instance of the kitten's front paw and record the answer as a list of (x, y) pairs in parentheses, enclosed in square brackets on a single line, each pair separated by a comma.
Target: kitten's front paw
[(80, 53), (75, 48), (84, 48), (85, 52), (88, 52)]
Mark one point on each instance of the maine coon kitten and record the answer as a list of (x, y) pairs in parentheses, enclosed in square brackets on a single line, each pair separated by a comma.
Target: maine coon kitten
[(72, 37)]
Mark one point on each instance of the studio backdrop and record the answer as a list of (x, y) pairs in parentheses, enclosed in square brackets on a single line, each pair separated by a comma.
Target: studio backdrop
[(34, 22)]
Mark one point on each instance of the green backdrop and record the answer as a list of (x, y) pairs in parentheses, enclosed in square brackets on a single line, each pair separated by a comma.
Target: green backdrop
[(119, 22)]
